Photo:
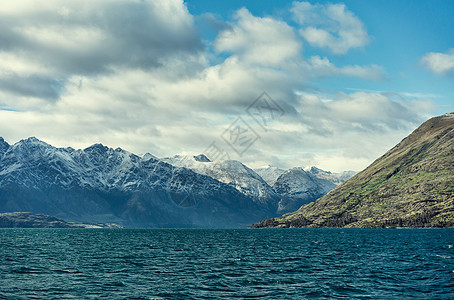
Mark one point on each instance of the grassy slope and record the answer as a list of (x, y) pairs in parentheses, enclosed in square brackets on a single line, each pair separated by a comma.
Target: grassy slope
[(412, 185)]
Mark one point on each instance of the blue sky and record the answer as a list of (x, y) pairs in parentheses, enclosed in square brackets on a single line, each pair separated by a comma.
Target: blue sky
[(401, 32), (352, 78)]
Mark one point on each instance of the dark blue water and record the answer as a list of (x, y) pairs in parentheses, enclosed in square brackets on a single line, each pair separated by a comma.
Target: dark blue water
[(208, 264)]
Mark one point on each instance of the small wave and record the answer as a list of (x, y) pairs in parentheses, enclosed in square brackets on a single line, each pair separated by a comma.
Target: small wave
[(67, 271), (25, 270), (444, 256), (118, 271), (115, 284)]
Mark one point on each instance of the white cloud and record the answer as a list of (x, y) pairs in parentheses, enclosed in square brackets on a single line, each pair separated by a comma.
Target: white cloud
[(439, 63), (94, 37), (322, 67), (269, 43), (345, 131), (264, 41), (136, 75), (370, 111), (330, 26)]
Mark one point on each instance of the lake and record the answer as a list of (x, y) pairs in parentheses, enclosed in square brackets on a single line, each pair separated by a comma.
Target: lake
[(226, 263)]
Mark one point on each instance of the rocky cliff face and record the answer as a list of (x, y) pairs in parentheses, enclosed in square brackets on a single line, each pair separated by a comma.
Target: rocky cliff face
[(412, 185)]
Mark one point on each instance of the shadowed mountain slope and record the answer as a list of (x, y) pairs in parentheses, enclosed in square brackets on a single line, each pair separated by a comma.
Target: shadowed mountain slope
[(412, 185)]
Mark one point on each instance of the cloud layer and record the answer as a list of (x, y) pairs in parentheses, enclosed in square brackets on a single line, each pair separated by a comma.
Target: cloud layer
[(140, 75)]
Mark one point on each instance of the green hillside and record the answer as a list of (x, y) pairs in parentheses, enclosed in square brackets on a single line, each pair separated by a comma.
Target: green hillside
[(412, 185)]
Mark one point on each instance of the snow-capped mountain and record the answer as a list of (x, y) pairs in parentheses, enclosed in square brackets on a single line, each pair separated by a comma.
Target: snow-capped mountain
[(283, 190), (298, 187), (105, 185), (231, 172), (270, 174), (100, 184), (148, 156), (336, 178)]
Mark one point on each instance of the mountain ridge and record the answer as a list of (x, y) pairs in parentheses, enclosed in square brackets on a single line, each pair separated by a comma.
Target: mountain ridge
[(411, 185), (104, 185), (289, 189), (100, 184)]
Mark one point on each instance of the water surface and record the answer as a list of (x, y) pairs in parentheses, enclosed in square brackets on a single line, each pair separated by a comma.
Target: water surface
[(209, 264)]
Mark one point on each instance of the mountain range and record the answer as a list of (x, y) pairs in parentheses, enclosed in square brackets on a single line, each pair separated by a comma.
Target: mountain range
[(102, 185), (412, 185)]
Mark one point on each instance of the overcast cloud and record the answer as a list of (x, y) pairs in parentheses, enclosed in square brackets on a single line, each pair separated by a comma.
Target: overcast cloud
[(139, 75)]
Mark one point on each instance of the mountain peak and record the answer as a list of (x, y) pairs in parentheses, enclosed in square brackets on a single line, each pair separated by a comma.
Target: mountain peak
[(201, 158), (96, 147), (315, 170), (31, 142), (148, 156)]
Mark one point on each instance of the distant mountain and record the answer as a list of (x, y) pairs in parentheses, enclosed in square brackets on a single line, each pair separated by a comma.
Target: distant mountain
[(29, 220), (270, 174), (112, 186), (231, 172), (282, 191), (148, 156), (336, 178), (412, 185), (298, 187), (105, 185)]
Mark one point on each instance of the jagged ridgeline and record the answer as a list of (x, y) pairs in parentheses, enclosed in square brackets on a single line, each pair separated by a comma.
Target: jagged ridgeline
[(112, 186), (412, 185), (102, 185)]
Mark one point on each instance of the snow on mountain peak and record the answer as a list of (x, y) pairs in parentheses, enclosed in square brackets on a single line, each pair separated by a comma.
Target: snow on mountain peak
[(336, 178), (148, 156), (231, 172), (314, 170), (31, 148), (202, 158), (270, 174), (32, 141), (96, 148)]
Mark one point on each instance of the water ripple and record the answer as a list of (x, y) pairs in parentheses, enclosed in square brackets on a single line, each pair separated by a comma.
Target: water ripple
[(234, 264)]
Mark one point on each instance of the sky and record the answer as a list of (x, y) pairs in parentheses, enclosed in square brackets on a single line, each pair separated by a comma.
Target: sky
[(281, 83)]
